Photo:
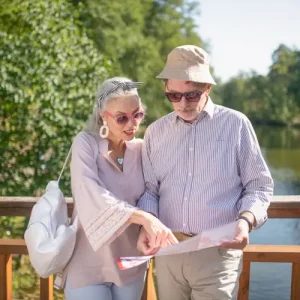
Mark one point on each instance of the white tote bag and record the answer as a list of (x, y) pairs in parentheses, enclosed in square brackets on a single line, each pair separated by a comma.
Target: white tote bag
[(49, 237)]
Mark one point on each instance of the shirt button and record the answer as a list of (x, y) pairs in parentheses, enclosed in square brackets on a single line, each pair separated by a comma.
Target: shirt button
[(185, 198), (190, 174), (191, 149), (184, 224)]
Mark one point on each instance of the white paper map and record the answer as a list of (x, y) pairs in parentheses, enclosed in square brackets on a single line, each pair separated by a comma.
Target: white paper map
[(205, 239)]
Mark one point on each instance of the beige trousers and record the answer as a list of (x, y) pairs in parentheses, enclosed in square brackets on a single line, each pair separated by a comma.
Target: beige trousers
[(211, 273)]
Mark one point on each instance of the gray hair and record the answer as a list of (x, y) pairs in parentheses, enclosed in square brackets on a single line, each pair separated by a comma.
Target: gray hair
[(110, 89)]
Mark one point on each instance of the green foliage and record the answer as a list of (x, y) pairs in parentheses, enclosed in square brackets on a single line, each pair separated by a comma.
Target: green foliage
[(49, 72), (271, 99), (12, 227), (137, 36)]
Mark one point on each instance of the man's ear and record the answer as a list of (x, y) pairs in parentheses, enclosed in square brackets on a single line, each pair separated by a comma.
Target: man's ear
[(208, 89)]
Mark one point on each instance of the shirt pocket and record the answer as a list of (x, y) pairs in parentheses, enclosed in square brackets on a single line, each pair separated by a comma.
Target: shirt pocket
[(217, 159)]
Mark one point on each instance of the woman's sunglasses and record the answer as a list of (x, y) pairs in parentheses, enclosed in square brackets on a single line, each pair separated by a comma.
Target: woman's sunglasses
[(189, 96), (123, 119)]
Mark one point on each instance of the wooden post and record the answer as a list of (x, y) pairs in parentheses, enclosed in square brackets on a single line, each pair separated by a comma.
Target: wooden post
[(244, 282), (149, 289), (295, 288), (5, 277), (46, 288)]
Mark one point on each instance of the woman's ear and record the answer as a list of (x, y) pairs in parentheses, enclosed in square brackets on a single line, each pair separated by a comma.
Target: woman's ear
[(101, 114)]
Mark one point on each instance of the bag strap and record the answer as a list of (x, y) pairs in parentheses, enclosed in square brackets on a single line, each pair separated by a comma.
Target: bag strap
[(68, 156), (65, 163)]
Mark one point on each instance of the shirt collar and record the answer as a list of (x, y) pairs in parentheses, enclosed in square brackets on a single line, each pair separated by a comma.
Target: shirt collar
[(208, 109)]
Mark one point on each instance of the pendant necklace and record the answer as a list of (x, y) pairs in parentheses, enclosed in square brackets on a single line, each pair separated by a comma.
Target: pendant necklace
[(120, 160)]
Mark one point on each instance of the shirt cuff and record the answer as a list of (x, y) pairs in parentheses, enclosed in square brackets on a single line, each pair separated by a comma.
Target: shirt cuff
[(108, 225), (259, 212), (149, 204)]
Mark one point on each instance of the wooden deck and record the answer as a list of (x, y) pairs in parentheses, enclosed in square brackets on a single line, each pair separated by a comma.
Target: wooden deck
[(281, 207)]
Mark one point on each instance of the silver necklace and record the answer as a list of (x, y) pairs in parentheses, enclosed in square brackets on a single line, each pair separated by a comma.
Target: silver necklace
[(120, 160)]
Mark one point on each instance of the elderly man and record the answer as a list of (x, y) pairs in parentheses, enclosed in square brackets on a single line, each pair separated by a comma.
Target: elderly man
[(203, 168)]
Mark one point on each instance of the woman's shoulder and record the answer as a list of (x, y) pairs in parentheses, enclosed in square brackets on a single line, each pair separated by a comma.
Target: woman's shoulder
[(85, 140), (136, 143), (83, 136)]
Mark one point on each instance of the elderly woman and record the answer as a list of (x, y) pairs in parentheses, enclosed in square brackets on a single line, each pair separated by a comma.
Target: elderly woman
[(107, 181)]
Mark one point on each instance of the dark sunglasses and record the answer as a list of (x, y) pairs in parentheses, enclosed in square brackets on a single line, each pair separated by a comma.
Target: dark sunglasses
[(189, 96), (123, 119)]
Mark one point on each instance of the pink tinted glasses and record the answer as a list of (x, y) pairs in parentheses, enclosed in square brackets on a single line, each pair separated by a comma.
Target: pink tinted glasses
[(123, 119)]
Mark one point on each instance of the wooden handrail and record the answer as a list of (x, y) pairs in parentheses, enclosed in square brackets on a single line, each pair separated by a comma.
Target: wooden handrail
[(13, 246), (281, 206), (272, 253)]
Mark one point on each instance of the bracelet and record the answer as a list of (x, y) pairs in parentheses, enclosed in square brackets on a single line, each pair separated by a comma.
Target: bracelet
[(247, 220)]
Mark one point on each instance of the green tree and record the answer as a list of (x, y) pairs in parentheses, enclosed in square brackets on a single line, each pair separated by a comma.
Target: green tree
[(233, 92), (285, 76), (50, 71), (270, 99), (138, 35)]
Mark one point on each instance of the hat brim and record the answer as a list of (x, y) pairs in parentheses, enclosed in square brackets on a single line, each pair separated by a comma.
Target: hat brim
[(198, 73)]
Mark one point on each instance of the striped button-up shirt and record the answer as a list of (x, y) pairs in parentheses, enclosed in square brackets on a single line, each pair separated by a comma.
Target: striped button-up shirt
[(203, 175)]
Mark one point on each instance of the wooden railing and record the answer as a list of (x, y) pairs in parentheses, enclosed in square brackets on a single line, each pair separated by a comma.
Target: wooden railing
[(281, 207), (271, 253), (8, 247)]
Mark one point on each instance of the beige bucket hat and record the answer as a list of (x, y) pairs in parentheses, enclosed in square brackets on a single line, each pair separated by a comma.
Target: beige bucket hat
[(188, 62)]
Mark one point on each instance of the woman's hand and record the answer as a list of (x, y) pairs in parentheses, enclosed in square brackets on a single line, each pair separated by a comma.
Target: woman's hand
[(158, 234), (143, 243)]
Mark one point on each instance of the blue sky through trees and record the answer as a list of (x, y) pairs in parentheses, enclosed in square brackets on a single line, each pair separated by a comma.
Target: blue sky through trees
[(243, 34)]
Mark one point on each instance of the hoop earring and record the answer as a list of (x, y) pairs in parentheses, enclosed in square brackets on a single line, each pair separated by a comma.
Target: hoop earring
[(104, 130)]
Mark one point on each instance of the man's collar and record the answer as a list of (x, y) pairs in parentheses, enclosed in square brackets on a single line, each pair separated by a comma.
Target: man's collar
[(208, 109)]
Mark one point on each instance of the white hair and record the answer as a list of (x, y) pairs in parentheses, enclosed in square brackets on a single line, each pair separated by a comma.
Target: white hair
[(95, 121)]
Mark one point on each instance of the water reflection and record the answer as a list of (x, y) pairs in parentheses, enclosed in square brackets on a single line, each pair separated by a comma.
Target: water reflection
[(281, 149), (278, 137)]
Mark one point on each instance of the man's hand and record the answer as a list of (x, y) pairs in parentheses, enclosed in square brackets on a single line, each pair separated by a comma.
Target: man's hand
[(143, 243), (241, 239)]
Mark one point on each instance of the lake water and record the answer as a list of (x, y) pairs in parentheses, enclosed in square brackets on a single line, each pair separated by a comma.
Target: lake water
[(281, 149)]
